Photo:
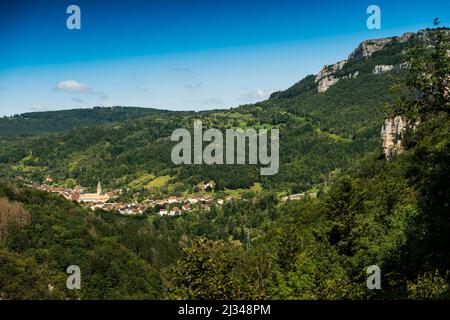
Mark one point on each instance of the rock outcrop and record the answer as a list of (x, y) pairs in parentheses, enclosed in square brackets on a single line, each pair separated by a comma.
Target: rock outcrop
[(368, 47), (392, 135), (326, 77)]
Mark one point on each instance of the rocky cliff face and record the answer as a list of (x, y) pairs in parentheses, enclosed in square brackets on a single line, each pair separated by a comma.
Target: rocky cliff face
[(368, 47), (326, 77), (391, 136)]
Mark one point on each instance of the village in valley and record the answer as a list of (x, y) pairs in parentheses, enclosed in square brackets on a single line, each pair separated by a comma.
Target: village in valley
[(166, 206), (108, 201)]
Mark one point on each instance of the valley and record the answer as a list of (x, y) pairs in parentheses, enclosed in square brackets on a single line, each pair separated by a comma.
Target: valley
[(362, 181)]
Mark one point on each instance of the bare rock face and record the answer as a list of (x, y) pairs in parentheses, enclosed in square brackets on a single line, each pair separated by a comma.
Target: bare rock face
[(324, 83), (378, 69), (405, 37), (368, 47), (391, 136), (326, 77)]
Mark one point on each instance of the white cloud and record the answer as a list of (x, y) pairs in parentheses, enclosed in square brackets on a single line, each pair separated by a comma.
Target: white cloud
[(73, 86), (255, 95), (38, 108), (262, 93)]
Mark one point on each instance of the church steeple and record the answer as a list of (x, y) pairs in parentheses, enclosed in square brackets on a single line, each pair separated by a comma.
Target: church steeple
[(99, 188)]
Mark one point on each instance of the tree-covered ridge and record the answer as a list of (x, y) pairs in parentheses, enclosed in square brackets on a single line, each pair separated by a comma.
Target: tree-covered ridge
[(393, 214), (34, 257), (55, 121), (119, 153)]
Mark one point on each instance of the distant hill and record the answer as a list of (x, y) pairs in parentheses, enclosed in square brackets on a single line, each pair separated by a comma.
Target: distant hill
[(55, 121), (391, 215), (327, 122)]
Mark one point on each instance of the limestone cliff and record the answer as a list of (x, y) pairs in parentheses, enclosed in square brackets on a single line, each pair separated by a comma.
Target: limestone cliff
[(368, 47), (391, 136), (326, 77)]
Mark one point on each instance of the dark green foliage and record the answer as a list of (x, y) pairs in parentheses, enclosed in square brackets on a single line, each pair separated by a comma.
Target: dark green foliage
[(342, 206), (61, 234), (394, 214), (305, 85), (54, 121), (119, 153), (208, 271)]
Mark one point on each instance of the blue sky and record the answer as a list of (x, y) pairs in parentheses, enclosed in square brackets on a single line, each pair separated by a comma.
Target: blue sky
[(181, 55)]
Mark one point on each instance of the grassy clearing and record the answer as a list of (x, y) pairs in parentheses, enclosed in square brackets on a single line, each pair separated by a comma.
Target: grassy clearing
[(158, 182)]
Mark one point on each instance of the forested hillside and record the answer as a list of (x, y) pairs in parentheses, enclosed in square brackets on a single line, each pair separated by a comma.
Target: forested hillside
[(33, 123), (394, 214), (342, 123)]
